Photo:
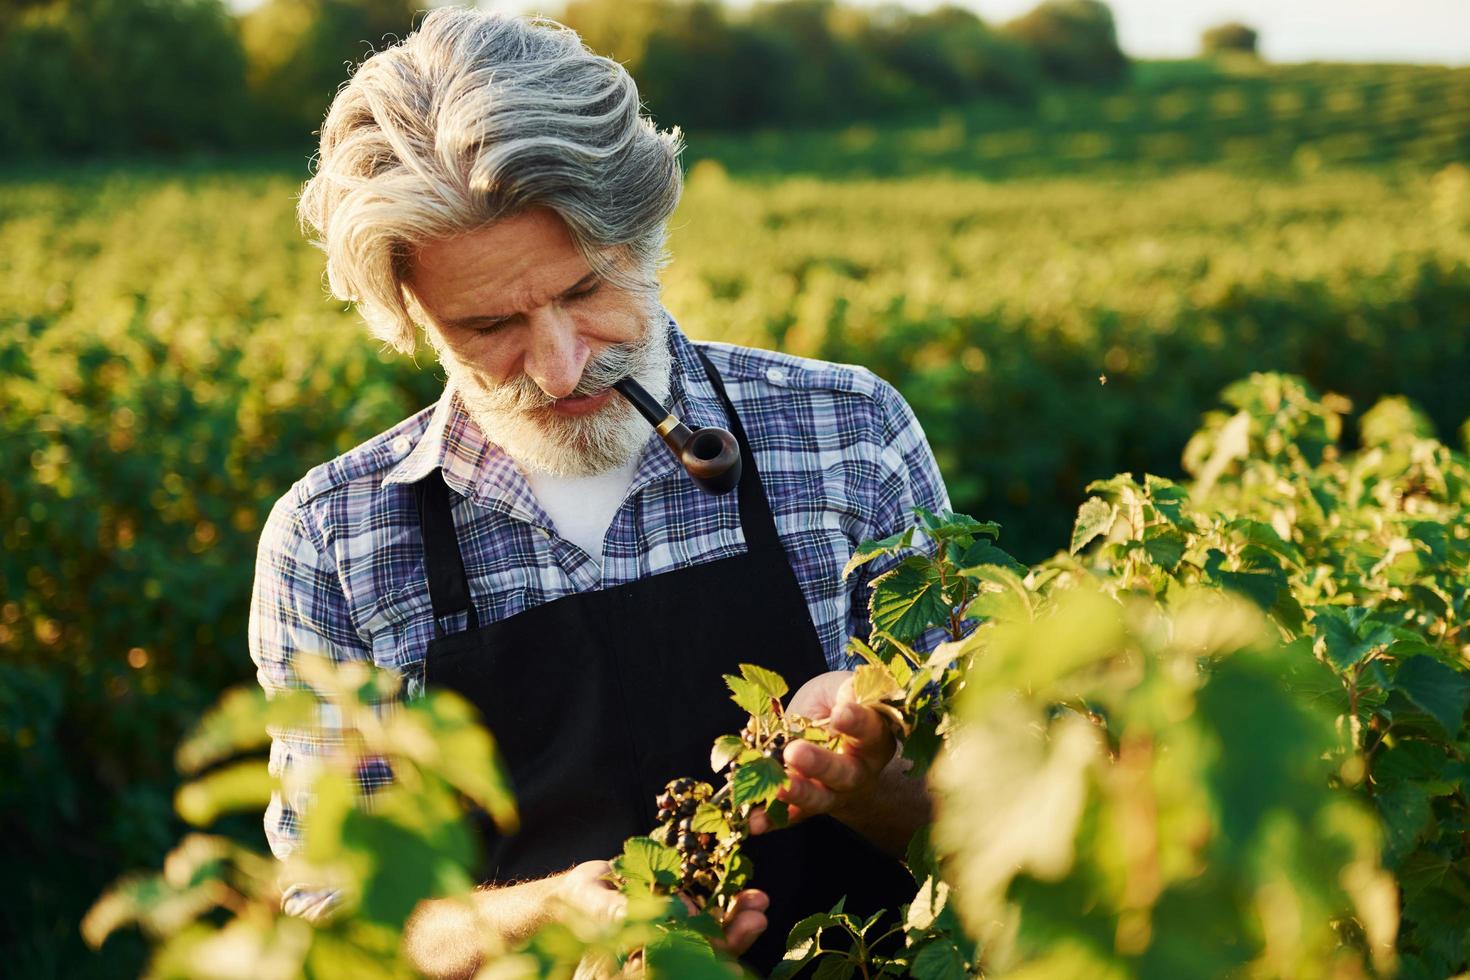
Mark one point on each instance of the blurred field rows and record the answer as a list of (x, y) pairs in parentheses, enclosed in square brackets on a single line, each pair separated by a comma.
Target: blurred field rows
[(1244, 115)]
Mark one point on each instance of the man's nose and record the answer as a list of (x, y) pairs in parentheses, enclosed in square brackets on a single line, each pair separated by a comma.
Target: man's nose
[(557, 355)]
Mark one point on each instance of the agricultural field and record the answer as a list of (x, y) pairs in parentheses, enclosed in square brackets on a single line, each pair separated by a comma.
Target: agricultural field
[(1245, 115), (171, 363)]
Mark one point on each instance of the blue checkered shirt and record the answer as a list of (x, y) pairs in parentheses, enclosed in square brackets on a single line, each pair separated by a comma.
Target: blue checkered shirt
[(340, 567)]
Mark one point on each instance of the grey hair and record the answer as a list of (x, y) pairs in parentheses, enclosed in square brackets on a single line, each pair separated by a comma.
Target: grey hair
[(473, 117)]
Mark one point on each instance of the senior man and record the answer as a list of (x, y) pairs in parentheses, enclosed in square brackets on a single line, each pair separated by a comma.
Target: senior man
[(528, 540)]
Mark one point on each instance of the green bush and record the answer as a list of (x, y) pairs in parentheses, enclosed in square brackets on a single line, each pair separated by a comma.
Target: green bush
[(1076, 40), (121, 76), (1231, 37), (1228, 719), (792, 62), (298, 51)]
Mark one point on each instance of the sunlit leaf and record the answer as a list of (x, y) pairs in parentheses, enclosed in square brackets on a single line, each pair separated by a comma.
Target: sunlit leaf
[(239, 786), (1094, 518), (908, 599), (869, 550), (770, 682), (757, 782)]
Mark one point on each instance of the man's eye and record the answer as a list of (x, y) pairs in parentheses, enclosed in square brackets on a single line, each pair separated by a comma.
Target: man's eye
[(586, 292)]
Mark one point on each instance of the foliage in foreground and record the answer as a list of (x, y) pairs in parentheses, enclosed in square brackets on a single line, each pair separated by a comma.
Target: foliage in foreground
[(1223, 733)]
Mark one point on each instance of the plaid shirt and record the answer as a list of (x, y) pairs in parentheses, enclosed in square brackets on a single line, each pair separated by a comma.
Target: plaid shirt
[(340, 566)]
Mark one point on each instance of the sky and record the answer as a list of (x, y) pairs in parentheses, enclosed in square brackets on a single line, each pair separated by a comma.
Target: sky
[(1291, 30), (1435, 31)]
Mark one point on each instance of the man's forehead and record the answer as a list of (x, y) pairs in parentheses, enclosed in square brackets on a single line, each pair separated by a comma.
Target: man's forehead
[(505, 268)]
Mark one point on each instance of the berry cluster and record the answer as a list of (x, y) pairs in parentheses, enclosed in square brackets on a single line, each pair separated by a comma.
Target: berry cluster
[(702, 856), (771, 747)]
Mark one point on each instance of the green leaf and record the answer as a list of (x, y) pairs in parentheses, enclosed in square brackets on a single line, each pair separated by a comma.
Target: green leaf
[(869, 550), (1261, 535), (982, 554), (767, 680), (907, 599), (928, 902), (1164, 546), (724, 752), (240, 786), (677, 953), (709, 819), (1339, 636), (1003, 596), (1422, 871), (443, 734), (1094, 517), (406, 863), (1259, 584), (939, 960), (809, 927), (240, 722), (736, 874), (778, 813), (796, 958), (1169, 499), (750, 696), (332, 800), (872, 683), (919, 856), (836, 966), (949, 526), (1441, 691), (1405, 811), (922, 745), (647, 861), (757, 782), (856, 647)]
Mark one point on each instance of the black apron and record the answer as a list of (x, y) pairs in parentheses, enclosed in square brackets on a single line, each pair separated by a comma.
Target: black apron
[(597, 699)]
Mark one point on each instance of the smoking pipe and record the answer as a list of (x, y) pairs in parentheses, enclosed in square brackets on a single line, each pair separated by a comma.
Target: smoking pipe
[(711, 455)]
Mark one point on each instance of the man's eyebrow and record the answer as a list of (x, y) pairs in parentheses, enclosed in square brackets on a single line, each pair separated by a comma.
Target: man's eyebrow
[(469, 321)]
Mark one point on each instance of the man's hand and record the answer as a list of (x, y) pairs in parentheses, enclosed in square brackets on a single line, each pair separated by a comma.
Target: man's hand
[(862, 782), (826, 781), (588, 889), (743, 923)]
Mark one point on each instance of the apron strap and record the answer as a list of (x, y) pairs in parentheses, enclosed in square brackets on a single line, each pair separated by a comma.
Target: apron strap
[(449, 587), (755, 510)]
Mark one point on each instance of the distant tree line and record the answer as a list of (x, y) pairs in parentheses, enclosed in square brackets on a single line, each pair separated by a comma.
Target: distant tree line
[(84, 77)]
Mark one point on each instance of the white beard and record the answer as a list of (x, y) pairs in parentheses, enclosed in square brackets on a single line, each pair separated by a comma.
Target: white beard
[(518, 418)]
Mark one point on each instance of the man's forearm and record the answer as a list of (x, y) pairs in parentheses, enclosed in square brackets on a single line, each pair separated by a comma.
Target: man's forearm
[(893, 812), (445, 937)]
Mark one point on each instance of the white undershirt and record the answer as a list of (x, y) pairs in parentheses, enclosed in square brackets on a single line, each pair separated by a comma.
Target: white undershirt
[(582, 507)]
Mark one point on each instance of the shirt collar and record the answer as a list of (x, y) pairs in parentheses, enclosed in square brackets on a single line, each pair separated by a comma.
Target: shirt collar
[(477, 468)]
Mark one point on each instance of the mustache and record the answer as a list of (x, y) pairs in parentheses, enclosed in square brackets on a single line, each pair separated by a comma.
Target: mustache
[(614, 363)]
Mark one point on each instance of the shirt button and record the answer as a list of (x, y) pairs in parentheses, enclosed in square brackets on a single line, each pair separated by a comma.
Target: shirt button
[(543, 532), (400, 445), (775, 374)]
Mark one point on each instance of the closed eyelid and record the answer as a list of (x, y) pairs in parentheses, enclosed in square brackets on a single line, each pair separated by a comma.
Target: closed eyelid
[(486, 324)]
